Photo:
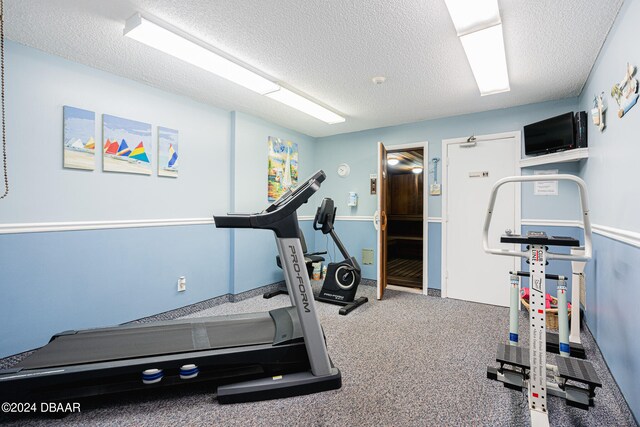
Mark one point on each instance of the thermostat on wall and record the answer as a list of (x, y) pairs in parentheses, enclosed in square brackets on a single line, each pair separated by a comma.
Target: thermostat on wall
[(344, 170)]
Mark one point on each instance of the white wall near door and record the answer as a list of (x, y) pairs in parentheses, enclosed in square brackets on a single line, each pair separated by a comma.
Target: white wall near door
[(469, 172)]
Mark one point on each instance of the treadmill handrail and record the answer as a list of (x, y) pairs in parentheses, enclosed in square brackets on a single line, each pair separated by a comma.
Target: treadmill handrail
[(278, 211), (584, 205)]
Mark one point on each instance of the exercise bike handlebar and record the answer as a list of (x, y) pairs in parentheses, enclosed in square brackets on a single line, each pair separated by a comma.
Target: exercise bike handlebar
[(584, 204)]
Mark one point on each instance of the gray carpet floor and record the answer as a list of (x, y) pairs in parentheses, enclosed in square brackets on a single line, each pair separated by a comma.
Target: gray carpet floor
[(409, 360)]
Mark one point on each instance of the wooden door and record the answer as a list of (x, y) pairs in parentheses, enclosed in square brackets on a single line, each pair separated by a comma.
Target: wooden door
[(382, 215)]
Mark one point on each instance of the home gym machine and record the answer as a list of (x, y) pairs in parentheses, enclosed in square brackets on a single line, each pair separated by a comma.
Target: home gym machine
[(528, 367), (277, 354), (342, 279)]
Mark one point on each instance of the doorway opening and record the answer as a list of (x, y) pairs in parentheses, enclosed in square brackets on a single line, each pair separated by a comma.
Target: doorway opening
[(405, 218)]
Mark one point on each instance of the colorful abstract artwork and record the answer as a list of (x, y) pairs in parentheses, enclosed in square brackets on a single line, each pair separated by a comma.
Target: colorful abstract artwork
[(283, 167), (126, 145), (79, 138), (167, 152)]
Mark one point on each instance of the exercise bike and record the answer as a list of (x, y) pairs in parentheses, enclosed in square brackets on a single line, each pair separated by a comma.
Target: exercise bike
[(342, 278)]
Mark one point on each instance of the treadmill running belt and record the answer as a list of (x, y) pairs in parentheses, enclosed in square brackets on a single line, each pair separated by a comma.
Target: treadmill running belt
[(129, 342)]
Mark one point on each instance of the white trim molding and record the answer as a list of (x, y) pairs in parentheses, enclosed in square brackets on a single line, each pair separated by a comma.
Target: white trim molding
[(41, 227), (552, 222), (625, 236), (436, 219)]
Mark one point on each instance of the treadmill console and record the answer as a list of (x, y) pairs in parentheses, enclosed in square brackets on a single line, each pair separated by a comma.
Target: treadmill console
[(536, 234)]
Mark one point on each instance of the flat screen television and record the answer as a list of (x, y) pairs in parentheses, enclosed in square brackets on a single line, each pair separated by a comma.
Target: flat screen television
[(550, 135)]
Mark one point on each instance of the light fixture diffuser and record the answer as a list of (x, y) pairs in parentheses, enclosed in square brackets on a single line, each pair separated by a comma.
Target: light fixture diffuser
[(393, 161), (479, 27), (416, 170), (168, 41), (151, 34), (485, 52), (303, 104), (473, 15)]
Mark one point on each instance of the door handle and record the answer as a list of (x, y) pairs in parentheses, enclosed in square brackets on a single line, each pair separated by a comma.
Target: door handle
[(383, 216)]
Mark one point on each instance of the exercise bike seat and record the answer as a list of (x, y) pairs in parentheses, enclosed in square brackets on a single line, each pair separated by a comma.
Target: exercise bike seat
[(309, 258)]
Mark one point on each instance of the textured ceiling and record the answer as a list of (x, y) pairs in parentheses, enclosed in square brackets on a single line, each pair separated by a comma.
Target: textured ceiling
[(329, 51)]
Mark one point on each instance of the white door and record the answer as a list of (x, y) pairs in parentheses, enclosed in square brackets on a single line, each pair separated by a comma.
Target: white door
[(471, 170)]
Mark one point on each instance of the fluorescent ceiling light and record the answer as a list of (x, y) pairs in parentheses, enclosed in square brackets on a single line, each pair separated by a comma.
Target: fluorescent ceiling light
[(479, 27), (393, 161), (145, 31), (417, 170), (473, 15), (485, 52), (303, 104), (167, 41)]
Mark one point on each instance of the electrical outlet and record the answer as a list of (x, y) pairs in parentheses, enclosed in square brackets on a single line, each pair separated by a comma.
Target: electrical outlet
[(182, 284)]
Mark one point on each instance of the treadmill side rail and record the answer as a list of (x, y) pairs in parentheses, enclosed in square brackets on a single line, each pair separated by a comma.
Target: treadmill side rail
[(281, 386)]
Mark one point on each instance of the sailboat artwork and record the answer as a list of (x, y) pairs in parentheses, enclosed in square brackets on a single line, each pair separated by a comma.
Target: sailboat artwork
[(127, 145), (282, 167), (79, 143), (167, 152)]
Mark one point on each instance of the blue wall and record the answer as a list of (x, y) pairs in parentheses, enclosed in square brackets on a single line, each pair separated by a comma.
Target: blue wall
[(611, 170), (611, 173), (612, 311), (253, 252), (53, 281), (58, 281), (355, 235), (73, 279), (39, 84), (564, 206), (359, 150)]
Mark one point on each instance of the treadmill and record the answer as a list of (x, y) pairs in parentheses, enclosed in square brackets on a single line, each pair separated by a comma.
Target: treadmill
[(249, 357)]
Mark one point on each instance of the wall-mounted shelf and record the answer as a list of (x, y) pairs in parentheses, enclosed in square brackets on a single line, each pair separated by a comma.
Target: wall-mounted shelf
[(574, 155)]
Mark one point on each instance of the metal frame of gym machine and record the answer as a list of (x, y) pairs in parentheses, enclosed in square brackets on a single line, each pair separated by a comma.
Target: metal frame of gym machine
[(530, 370), (299, 287), (293, 361)]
